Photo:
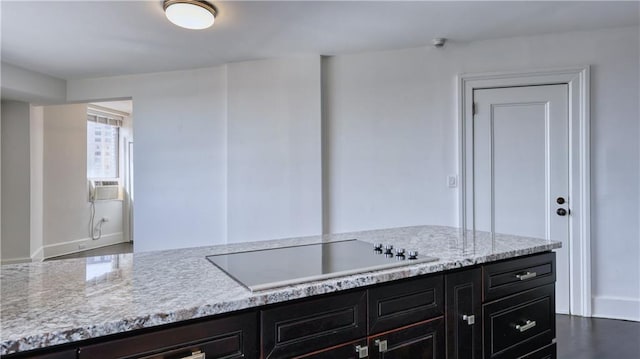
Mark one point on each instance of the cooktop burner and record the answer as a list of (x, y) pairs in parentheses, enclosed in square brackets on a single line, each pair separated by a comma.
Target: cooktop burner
[(277, 267)]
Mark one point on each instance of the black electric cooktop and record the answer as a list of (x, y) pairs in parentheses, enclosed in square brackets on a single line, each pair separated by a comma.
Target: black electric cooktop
[(277, 267)]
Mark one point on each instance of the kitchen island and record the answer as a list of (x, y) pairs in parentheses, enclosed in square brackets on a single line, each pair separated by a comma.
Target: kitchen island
[(71, 307)]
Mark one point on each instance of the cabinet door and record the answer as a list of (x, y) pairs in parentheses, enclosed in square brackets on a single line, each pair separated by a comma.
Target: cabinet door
[(395, 305), (424, 340), (354, 350), (229, 337), (464, 314), (298, 328), (519, 324)]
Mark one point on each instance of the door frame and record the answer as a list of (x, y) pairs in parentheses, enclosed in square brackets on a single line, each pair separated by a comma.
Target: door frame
[(577, 79)]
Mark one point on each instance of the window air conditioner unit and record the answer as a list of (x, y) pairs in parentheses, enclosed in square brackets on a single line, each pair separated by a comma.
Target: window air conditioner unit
[(104, 190)]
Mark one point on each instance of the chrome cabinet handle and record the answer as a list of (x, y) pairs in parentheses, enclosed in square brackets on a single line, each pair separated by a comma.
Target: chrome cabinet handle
[(362, 352), (195, 355), (526, 326), (470, 319), (526, 275), (381, 344)]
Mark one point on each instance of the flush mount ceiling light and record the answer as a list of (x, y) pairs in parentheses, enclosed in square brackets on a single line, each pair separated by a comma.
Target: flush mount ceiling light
[(190, 14)]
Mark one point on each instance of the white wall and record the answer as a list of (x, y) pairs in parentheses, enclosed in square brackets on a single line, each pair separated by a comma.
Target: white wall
[(392, 121), (274, 159), (29, 86), (36, 184), (15, 182), (1, 242), (391, 140), (180, 153)]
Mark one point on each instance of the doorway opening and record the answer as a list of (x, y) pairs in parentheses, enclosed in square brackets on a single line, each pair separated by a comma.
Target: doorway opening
[(88, 171)]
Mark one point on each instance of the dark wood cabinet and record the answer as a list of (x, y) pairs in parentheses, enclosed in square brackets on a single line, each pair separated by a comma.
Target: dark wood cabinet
[(463, 292), (513, 276), (548, 352), (520, 323), (298, 328), (353, 350), (228, 337), (62, 354), (397, 304), (423, 340)]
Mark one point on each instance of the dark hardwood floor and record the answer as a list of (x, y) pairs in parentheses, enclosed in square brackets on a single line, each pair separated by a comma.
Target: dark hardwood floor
[(119, 248), (595, 338)]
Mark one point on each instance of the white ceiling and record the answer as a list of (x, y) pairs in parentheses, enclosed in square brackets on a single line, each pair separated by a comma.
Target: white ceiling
[(74, 39)]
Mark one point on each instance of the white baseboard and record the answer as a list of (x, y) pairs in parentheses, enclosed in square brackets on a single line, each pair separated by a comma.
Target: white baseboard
[(616, 308), (15, 260), (38, 256), (78, 245)]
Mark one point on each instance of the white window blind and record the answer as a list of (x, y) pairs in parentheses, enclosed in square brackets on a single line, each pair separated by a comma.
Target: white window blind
[(102, 146)]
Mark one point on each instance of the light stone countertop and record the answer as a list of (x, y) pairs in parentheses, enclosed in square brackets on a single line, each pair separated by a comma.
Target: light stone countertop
[(58, 302)]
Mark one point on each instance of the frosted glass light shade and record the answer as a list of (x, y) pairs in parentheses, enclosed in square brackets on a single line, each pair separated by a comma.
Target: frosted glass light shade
[(190, 14)]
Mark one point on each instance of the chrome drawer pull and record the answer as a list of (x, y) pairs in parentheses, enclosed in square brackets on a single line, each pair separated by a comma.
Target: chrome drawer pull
[(381, 344), (526, 326), (470, 319), (526, 275), (362, 352), (196, 355)]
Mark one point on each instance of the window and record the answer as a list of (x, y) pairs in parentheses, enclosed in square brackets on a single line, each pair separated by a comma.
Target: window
[(102, 146)]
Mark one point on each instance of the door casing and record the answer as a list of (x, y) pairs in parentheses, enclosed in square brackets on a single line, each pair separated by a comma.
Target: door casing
[(577, 79)]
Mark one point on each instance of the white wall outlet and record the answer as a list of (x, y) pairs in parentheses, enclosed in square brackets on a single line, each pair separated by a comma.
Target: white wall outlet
[(82, 246), (452, 181)]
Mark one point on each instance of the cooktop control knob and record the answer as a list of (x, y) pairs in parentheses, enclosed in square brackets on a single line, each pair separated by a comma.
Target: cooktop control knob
[(388, 248), (413, 254), (377, 246), (400, 252)]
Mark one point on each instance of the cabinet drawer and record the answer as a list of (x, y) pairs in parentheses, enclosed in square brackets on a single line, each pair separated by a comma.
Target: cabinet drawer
[(344, 351), (423, 340), (505, 278), (229, 337), (299, 328), (399, 304), (548, 352), (519, 324)]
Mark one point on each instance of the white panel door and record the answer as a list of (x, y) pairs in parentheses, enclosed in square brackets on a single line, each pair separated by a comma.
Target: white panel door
[(521, 168)]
